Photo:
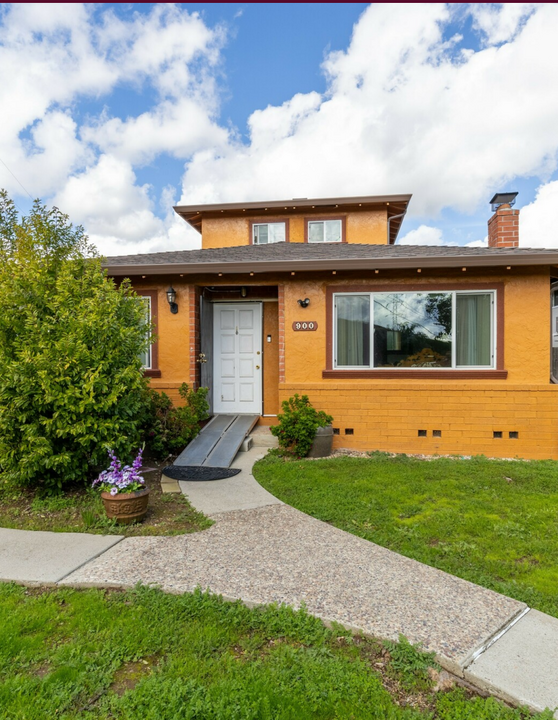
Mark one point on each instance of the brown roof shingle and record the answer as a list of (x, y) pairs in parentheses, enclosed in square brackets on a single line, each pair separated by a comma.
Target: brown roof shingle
[(282, 257)]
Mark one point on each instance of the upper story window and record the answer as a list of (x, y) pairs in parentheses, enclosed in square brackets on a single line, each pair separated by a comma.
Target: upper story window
[(272, 232), (325, 230), (415, 330)]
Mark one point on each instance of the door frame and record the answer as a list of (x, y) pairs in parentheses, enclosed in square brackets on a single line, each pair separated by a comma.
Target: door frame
[(258, 333)]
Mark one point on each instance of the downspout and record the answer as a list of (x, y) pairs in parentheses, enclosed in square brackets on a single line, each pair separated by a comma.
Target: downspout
[(393, 217), (553, 331)]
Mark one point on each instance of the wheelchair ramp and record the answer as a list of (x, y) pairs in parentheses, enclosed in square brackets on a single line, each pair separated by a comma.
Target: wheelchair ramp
[(218, 442)]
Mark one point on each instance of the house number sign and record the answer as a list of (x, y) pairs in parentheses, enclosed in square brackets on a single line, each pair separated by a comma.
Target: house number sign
[(305, 326)]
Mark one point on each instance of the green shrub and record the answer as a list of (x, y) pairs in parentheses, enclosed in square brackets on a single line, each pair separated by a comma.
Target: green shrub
[(71, 381), (169, 429), (298, 424)]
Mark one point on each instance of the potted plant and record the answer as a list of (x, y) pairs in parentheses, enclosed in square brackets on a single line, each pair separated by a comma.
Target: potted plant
[(123, 490), (303, 430)]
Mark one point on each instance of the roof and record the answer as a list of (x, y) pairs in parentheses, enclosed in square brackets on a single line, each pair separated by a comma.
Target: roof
[(287, 257), (396, 206)]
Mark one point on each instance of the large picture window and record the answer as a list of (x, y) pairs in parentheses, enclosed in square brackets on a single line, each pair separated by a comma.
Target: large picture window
[(391, 330)]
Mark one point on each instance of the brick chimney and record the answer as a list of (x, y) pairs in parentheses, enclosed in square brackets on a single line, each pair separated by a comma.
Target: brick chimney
[(503, 226)]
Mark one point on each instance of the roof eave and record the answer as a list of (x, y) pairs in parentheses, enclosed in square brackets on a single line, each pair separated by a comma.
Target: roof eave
[(235, 268)]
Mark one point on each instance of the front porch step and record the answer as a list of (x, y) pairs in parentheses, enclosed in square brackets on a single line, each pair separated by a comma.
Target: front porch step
[(261, 437)]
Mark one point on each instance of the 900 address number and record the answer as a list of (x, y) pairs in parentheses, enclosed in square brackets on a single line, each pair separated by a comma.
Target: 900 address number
[(305, 326)]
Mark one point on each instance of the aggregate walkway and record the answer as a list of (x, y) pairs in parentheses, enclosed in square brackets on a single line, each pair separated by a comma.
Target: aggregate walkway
[(278, 554)]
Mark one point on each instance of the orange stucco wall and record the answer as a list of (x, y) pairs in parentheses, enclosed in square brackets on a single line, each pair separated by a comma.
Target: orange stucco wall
[(386, 414), (367, 226)]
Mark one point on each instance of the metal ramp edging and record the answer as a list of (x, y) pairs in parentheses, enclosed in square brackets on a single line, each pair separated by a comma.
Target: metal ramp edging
[(218, 442)]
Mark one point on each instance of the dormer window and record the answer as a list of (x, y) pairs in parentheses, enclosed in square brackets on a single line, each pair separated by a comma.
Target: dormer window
[(271, 232), (325, 230)]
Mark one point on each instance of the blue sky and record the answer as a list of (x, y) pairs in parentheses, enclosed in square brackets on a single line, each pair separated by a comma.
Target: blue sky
[(120, 110)]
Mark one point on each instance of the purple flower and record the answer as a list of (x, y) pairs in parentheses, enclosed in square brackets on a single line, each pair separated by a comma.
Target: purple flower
[(121, 479)]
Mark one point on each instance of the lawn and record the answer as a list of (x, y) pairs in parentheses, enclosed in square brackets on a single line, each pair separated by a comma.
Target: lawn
[(494, 522), (145, 655), (80, 509)]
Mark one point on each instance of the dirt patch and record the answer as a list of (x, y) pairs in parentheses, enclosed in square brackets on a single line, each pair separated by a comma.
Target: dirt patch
[(129, 675), (42, 671), (80, 509)]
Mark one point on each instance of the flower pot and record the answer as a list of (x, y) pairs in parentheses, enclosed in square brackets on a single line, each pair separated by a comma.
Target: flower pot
[(323, 440), (126, 508)]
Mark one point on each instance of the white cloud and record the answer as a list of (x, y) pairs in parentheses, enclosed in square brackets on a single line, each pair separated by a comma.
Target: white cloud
[(499, 22), (52, 58), (406, 110), (409, 107), (423, 235), (163, 130), (537, 221)]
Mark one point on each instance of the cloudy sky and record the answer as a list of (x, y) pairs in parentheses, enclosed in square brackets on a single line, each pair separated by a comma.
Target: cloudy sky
[(116, 112)]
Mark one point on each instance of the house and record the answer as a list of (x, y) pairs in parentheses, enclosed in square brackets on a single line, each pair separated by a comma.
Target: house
[(410, 348)]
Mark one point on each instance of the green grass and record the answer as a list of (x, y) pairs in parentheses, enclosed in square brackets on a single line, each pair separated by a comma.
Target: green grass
[(143, 654), (494, 522)]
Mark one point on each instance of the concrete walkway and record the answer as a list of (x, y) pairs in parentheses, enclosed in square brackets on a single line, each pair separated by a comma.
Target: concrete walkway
[(263, 551), (240, 492)]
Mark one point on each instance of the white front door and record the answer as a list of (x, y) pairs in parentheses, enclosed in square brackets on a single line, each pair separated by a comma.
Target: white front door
[(237, 352)]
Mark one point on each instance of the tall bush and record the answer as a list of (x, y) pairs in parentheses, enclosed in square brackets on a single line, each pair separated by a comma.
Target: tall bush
[(71, 382), (168, 429)]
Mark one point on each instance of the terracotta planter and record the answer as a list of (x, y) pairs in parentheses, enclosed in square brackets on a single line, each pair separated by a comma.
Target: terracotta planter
[(126, 508)]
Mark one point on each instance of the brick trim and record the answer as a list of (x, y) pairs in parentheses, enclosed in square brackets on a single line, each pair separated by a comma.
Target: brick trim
[(449, 374), (194, 335), (498, 287), (281, 312)]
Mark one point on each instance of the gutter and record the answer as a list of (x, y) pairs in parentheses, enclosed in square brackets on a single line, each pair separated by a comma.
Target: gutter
[(394, 217), (314, 265)]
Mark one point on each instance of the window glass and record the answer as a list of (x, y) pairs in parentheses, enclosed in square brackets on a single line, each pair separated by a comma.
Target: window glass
[(412, 330), (353, 330), (146, 356), (265, 233), (415, 330), (473, 336), (325, 231), (333, 230)]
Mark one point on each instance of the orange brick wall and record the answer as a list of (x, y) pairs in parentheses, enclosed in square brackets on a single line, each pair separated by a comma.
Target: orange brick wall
[(387, 416)]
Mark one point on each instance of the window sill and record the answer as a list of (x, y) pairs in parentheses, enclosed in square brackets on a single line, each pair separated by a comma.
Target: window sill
[(152, 373), (422, 374)]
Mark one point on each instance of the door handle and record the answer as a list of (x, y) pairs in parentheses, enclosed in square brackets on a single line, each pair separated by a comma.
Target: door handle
[(201, 358), (257, 367)]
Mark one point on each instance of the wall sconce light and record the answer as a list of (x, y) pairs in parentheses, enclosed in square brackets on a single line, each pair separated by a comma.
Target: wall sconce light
[(304, 303), (171, 297), (242, 292)]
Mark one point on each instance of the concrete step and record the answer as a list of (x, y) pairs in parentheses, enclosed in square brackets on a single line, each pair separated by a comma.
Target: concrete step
[(261, 437)]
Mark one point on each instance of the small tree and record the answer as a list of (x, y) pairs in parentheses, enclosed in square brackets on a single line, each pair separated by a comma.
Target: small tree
[(71, 384)]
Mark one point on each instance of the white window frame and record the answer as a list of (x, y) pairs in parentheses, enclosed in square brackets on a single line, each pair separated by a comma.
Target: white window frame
[(149, 321), (259, 224), (430, 291), (323, 223)]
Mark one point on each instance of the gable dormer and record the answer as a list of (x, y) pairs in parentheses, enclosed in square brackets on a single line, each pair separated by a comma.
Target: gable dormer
[(370, 220)]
